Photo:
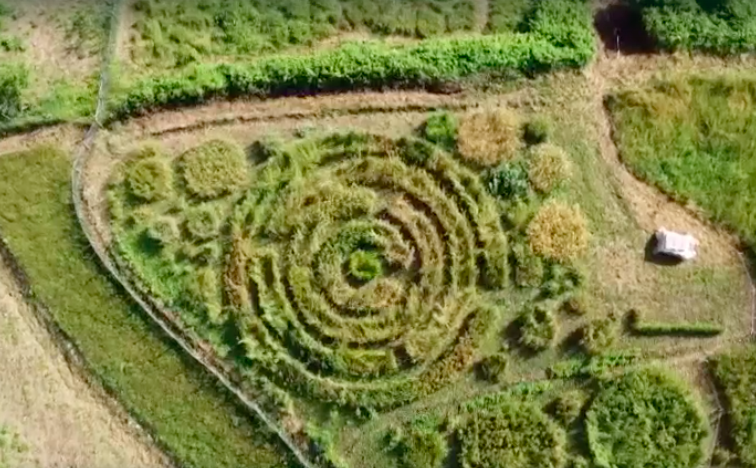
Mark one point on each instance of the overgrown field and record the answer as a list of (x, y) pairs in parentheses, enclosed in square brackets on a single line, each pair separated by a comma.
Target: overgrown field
[(50, 55), (357, 278), (718, 26), (694, 138), (177, 402)]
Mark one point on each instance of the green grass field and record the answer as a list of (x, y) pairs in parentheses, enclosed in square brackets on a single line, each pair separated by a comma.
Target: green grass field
[(179, 404), (694, 138)]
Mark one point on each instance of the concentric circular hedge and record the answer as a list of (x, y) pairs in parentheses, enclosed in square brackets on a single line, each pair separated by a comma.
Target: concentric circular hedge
[(646, 419), (421, 235)]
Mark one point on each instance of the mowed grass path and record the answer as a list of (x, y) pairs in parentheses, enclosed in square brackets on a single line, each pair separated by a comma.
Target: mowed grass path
[(180, 404), (695, 138)]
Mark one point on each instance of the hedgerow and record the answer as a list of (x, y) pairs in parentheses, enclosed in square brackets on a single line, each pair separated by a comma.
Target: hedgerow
[(511, 434), (356, 66), (214, 169), (642, 327), (646, 418), (718, 26)]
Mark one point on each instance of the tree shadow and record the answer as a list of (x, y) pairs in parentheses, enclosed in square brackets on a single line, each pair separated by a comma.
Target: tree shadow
[(620, 27)]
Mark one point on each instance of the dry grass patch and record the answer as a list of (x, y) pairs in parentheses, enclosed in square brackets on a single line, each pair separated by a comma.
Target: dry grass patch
[(490, 137), (559, 232), (549, 167)]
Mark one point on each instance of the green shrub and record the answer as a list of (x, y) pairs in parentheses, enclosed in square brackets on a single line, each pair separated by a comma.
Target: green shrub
[(506, 15), (214, 169), (647, 418), (736, 376), (14, 79), (416, 152), (537, 131), (149, 179), (577, 303), (508, 181), (640, 326), (537, 328), (163, 230), (441, 129), (365, 265), (493, 368), (353, 66), (202, 223), (548, 167), (529, 269), (598, 336), (559, 232), (566, 407), (511, 434), (561, 281), (422, 449)]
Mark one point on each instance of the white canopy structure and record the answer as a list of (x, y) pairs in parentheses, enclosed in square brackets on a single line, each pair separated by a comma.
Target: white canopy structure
[(674, 244)]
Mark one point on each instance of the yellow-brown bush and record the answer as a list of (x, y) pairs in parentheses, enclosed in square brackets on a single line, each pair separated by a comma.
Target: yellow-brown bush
[(559, 232), (548, 168), (490, 137), (213, 169)]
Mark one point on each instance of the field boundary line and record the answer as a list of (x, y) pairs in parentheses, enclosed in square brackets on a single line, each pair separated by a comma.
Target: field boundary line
[(81, 158)]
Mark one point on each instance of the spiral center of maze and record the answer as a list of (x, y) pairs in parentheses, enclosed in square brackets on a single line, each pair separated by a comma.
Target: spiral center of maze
[(362, 269)]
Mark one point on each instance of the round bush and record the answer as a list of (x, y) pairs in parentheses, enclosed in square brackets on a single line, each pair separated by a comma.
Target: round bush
[(493, 368), (537, 131), (213, 169), (163, 230), (549, 167), (365, 265), (598, 336), (559, 232), (514, 434), (647, 418), (529, 269), (441, 129), (149, 179), (202, 223), (566, 407), (423, 449), (490, 137), (538, 328), (508, 181)]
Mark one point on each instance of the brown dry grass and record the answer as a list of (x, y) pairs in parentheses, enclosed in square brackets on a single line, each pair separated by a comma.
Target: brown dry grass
[(490, 137), (559, 232)]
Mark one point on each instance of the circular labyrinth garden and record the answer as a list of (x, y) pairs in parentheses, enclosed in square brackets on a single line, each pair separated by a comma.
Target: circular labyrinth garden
[(357, 267)]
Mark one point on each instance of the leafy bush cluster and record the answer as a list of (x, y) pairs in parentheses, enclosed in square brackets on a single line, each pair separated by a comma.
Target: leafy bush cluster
[(559, 232), (511, 434), (555, 38), (736, 375), (493, 368), (150, 179), (174, 33), (214, 169), (646, 418), (598, 336), (566, 407), (719, 26), (441, 129), (422, 448), (537, 328), (14, 79)]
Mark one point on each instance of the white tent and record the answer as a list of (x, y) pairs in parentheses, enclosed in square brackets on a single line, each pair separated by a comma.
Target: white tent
[(674, 244)]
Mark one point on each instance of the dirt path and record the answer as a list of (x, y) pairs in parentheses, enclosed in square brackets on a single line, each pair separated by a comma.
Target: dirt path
[(52, 416)]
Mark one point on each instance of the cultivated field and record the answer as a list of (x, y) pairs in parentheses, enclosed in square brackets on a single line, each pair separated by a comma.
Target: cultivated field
[(323, 233)]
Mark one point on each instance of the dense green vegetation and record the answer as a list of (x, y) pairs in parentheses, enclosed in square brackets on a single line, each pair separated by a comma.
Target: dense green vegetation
[(646, 418), (180, 405), (719, 26), (736, 375), (558, 35), (694, 139)]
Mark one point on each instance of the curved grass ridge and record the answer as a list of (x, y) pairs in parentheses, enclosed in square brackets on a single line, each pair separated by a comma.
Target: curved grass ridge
[(403, 334), (366, 65)]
